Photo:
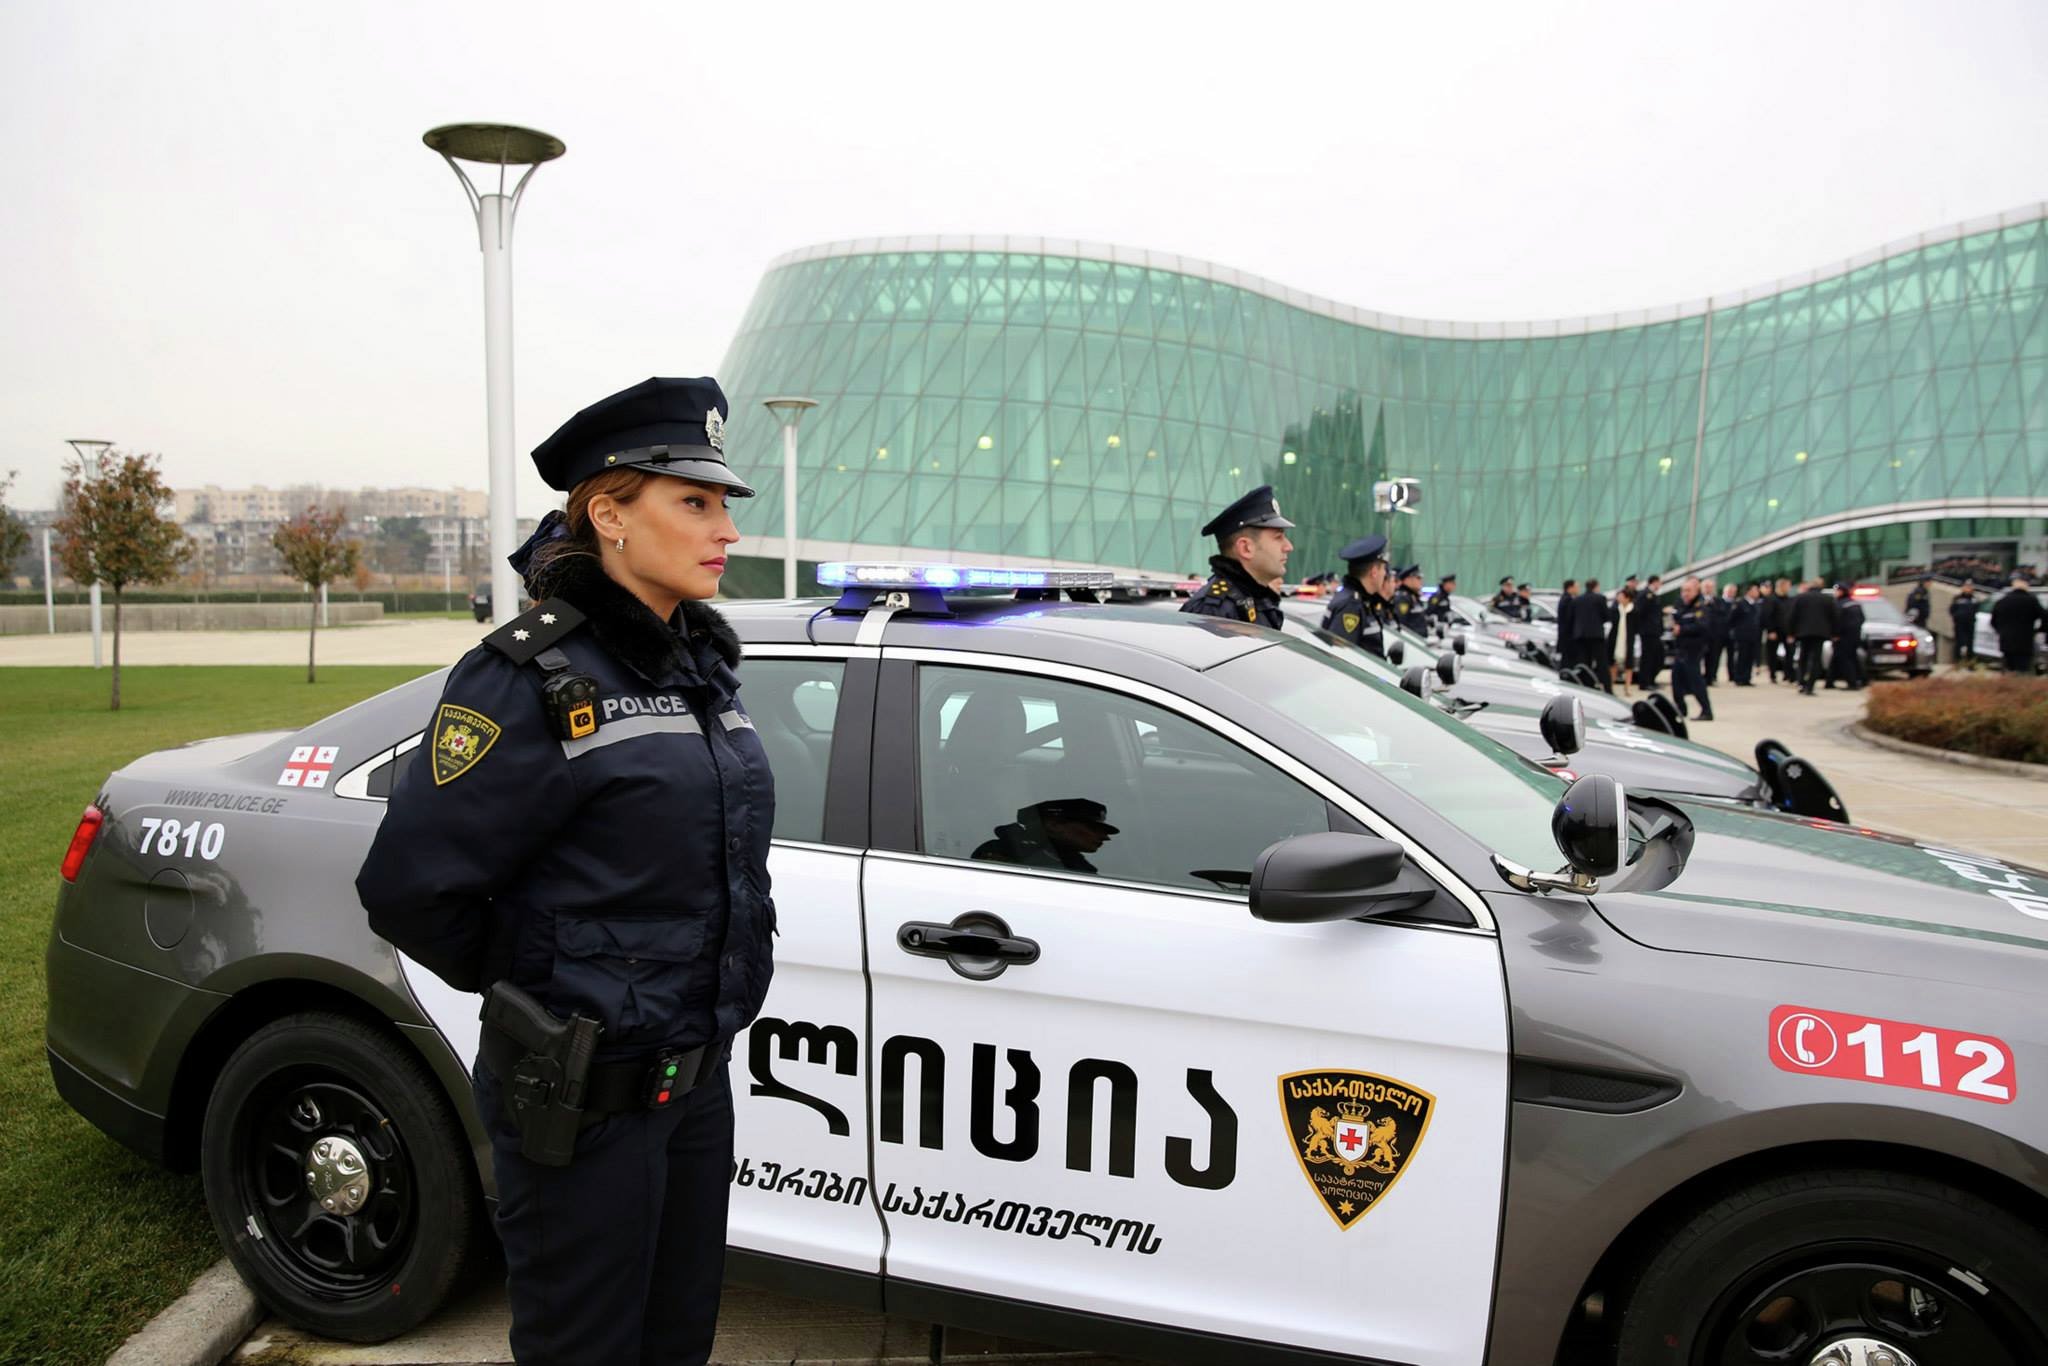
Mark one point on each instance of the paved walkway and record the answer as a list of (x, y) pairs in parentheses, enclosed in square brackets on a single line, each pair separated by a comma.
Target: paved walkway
[(435, 641), (1971, 808)]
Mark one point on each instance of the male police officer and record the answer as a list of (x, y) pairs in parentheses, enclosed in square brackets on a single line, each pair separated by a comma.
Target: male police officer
[(1358, 612), (1505, 602), (1408, 598), (1689, 650), (2017, 617), (1919, 605), (1440, 605), (1252, 550)]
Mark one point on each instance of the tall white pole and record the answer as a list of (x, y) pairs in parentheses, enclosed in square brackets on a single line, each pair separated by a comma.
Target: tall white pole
[(789, 509), (49, 594), (96, 623), (494, 229)]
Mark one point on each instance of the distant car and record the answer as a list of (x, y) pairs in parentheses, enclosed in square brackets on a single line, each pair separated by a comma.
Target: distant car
[(1356, 1038), (480, 601), (1891, 643)]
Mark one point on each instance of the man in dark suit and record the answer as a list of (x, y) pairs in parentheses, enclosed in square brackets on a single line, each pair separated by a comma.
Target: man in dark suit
[(1812, 622), (2017, 617), (1745, 635), (1714, 609), (1648, 623), (1847, 664), (1591, 631)]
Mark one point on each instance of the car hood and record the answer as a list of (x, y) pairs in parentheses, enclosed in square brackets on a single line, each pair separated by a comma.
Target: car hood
[(1636, 758), (1762, 885)]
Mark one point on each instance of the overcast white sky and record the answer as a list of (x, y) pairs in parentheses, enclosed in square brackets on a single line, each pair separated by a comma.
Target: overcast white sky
[(223, 241)]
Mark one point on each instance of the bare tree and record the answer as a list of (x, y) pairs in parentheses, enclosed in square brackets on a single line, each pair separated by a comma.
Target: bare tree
[(315, 552), (116, 531)]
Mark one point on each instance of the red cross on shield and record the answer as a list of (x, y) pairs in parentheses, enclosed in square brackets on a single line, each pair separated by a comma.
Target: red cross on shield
[(1350, 1142)]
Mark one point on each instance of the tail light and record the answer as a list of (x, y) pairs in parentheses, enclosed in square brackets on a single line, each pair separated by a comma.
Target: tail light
[(1906, 642), (81, 841)]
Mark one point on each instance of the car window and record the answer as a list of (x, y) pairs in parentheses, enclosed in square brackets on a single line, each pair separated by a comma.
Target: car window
[(1480, 786), (1878, 609), (793, 704), (1037, 772)]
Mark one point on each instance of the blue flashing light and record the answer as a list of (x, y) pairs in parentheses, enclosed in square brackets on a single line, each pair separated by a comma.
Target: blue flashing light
[(869, 574)]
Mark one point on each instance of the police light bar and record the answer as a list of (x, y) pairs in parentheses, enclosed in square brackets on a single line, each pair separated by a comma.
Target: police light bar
[(1865, 591), (871, 574)]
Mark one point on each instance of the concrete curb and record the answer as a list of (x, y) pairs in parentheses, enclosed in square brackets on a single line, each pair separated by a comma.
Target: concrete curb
[(199, 1328), (2016, 767)]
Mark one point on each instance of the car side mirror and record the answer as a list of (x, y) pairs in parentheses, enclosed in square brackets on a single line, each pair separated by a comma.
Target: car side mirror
[(1448, 667), (1334, 876), (1563, 724), (1458, 642), (1396, 652), (1416, 681), (1590, 825)]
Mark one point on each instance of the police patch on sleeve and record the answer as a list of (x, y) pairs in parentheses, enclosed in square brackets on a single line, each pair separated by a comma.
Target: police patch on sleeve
[(1354, 1134), (461, 737), (1350, 623)]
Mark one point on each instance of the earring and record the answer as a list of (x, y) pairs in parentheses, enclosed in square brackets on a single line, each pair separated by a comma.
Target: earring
[(620, 543)]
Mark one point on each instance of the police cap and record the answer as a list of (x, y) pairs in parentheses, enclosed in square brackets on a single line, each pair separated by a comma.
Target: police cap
[(1256, 509), (1083, 809), (1412, 571), (663, 426), (1364, 548)]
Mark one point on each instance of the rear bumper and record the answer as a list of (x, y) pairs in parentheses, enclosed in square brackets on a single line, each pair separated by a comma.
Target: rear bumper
[(121, 1120)]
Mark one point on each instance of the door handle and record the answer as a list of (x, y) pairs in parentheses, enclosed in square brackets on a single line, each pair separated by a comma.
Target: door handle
[(977, 945)]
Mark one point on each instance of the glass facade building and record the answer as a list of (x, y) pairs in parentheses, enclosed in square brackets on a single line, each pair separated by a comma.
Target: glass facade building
[(1029, 399)]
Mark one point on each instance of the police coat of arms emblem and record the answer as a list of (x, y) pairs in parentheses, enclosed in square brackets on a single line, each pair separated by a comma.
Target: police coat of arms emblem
[(461, 736), (1354, 1134), (714, 429)]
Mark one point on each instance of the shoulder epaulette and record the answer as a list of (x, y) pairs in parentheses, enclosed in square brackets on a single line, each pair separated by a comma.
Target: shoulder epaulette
[(534, 630)]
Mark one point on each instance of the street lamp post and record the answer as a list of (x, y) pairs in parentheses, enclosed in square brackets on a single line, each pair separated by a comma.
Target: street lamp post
[(89, 452), (500, 145), (789, 412)]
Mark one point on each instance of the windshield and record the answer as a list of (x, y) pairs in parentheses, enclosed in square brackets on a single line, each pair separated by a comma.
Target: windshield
[(1877, 609), (1480, 786)]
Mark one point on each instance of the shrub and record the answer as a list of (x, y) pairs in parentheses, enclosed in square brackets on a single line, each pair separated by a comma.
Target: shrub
[(1997, 717)]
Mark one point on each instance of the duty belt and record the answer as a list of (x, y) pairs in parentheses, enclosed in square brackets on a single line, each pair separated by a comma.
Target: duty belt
[(650, 1081)]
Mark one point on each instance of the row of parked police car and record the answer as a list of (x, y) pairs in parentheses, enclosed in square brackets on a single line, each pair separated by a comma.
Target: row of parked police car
[(1289, 1006)]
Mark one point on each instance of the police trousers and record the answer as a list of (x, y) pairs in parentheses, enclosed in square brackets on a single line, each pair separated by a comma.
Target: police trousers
[(618, 1257), (1688, 679)]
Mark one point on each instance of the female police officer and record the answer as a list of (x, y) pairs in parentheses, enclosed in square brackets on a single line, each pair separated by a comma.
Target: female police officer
[(583, 834)]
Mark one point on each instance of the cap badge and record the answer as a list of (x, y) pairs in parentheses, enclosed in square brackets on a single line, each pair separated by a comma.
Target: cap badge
[(714, 429), (1276, 508)]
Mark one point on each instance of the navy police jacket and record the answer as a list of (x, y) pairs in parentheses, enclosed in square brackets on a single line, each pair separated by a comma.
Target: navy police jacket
[(1231, 593), (1356, 618), (622, 874)]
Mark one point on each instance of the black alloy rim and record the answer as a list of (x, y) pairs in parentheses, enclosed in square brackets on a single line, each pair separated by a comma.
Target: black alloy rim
[(1792, 1307), (324, 1254)]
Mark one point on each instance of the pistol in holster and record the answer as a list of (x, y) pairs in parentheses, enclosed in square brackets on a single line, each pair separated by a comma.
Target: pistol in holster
[(542, 1063)]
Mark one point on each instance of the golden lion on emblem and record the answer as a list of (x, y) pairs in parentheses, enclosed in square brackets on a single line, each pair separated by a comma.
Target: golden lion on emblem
[(1322, 1132), (1379, 1139)]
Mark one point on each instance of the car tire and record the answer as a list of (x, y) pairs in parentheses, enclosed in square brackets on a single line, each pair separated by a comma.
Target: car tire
[(1780, 1270), (327, 1091)]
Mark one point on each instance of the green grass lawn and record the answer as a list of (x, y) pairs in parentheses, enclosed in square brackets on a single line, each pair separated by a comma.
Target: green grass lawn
[(94, 1240)]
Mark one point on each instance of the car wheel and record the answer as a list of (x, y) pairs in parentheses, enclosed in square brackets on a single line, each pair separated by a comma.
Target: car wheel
[(337, 1177), (1788, 1269)]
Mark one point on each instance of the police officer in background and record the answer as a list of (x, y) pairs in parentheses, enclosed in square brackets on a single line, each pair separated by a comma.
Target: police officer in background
[(1745, 635), (1358, 612), (1439, 608), (1919, 605), (1408, 599), (1717, 606), (1962, 616), (583, 835), (1505, 601), (1689, 649), (1251, 555)]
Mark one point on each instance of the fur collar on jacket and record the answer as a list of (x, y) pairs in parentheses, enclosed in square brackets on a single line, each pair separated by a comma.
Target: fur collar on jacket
[(626, 627)]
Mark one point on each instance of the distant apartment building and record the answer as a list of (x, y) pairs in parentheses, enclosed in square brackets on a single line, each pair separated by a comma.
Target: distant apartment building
[(403, 531)]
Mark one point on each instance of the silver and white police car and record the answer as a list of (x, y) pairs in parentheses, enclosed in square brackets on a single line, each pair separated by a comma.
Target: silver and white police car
[(1157, 984)]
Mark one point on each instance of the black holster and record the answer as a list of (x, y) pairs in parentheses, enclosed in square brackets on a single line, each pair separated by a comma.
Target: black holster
[(542, 1064)]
